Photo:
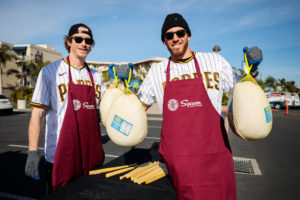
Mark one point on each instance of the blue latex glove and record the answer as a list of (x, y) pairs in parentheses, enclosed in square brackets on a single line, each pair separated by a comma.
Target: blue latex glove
[(110, 71), (254, 57), (32, 164)]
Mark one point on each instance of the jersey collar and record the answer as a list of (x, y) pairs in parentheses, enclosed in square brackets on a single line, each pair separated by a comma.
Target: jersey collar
[(186, 60), (64, 59)]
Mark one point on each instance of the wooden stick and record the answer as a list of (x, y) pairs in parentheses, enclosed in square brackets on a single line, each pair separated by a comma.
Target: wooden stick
[(162, 172), (138, 168), (143, 170), (137, 171), (155, 172), (155, 178), (99, 171), (110, 174), (149, 170)]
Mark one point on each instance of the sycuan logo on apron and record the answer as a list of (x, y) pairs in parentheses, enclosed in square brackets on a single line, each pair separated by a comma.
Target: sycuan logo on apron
[(173, 104), (77, 104)]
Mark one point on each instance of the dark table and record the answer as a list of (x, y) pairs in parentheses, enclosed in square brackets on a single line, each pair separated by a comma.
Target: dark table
[(99, 187)]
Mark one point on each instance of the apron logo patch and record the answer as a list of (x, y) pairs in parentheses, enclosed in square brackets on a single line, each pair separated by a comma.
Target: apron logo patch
[(186, 103), (173, 104), (87, 106), (76, 104)]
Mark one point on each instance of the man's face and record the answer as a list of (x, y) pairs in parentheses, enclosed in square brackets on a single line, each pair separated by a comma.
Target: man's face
[(81, 49), (177, 45)]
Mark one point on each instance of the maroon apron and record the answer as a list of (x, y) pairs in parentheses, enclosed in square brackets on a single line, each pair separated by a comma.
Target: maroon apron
[(79, 148), (194, 142)]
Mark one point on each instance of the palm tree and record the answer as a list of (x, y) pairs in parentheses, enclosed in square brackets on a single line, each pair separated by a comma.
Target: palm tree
[(34, 72), (261, 83), (271, 83), (240, 72), (291, 87), (282, 84), (216, 48), (6, 54), (24, 73)]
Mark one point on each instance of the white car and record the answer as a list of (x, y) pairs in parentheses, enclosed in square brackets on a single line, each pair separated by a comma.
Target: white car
[(6, 105)]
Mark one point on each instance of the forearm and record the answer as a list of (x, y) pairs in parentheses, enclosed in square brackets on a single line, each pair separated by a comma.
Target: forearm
[(35, 126)]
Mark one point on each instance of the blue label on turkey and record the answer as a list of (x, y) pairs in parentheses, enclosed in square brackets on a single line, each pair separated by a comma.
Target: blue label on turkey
[(268, 114), (121, 125)]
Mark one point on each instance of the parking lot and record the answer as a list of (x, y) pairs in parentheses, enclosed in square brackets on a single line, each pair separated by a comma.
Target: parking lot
[(277, 157)]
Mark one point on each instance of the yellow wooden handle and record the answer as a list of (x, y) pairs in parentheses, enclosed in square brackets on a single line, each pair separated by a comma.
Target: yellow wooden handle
[(128, 175), (155, 178), (120, 171), (99, 171), (157, 170), (143, 170)]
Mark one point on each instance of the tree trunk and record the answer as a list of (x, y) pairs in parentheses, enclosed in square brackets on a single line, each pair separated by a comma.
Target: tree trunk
[(22, 87), (1, 79)]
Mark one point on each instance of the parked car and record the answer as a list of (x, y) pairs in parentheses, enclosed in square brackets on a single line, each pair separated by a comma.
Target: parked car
[(278, 99), (6, 105), (295, 100)]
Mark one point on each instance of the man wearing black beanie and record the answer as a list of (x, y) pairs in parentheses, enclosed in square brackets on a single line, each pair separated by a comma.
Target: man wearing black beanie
[(68, 93), (188, 87)]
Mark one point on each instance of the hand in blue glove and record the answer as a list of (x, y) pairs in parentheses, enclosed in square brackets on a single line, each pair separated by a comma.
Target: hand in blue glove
[(254, 57), (32, 164), (122, 71)]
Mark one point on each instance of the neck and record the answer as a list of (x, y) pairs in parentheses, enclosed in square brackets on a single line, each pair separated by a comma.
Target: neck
[(187, 54), (76, 61)]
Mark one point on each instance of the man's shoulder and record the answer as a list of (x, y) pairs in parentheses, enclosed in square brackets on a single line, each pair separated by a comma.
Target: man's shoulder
[(54, 65), (207, 54), (159, 65)]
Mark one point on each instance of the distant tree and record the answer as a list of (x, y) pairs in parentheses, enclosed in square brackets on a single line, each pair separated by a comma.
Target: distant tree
[(291, 87), (261, 83), (271, 84), (39, 65), (216, 48), (24, 73), (6, 54), (240, 72), (282, 85)]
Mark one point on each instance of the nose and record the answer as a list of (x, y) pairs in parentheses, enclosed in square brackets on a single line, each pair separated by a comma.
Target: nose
[(175, 37)]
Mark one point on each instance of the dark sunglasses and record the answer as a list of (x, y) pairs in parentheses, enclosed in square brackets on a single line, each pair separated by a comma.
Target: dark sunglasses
[(180, 34), (88, 41)]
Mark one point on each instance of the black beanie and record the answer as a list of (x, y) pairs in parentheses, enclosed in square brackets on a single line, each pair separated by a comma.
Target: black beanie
[(173, 20), (74, 29)]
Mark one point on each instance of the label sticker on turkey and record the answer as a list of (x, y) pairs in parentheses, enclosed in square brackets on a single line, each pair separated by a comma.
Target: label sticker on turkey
[(173, 104), (268, 114), (121, 125)]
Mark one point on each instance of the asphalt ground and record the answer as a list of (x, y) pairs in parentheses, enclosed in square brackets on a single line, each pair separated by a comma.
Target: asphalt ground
[(277, 157)]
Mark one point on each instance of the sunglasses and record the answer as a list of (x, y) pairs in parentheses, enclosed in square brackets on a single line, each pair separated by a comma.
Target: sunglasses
[(88, 41), (180, 34)]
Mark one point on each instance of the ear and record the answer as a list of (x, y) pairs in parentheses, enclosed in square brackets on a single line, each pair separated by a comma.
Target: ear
[(69, 42), (189, 37), (164, 42)]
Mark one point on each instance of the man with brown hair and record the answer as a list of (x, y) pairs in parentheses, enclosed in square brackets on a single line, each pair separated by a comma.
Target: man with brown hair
[(67, 93)]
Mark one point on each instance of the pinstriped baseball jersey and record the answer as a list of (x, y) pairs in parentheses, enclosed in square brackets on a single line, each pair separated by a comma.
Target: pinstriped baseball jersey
[(216, 72), (51, 92)]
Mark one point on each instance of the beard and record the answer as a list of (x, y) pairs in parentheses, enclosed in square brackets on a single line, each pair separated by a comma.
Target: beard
[(178, 53)]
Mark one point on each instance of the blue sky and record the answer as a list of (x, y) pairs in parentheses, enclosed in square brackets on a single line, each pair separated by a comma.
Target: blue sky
[(130, 30)]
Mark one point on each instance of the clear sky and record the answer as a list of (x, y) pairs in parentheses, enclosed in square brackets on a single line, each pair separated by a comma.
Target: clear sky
[(130, 30)]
